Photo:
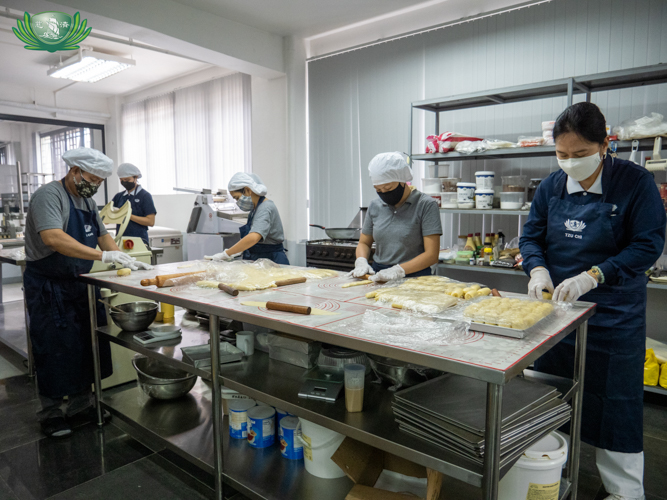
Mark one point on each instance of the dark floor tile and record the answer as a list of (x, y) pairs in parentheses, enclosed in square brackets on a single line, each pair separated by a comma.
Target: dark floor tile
[(655, 459), (19, 425), (6, 492), (589, 486), (44, 468), (587, 460), (12, 326), (655, 421), (653, 497), (144, 479), (17, 390)]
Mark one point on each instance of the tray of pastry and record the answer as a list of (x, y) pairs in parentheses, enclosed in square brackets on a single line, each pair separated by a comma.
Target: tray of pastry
[(509, 317)]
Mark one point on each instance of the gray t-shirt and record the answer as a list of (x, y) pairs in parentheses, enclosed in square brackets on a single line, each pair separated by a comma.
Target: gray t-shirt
[(49, 209), (399, 233), (267, 223)]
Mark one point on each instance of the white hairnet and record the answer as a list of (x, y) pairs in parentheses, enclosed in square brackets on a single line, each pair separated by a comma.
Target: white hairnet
[(128, 170), (389, 167), (91, 160), (242, 180)]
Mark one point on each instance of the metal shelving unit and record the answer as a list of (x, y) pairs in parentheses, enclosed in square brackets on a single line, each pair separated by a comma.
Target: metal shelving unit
[(277, 383), (493, 211)]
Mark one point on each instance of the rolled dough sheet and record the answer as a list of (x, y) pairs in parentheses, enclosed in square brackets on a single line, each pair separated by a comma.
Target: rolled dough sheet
[(312, 309)]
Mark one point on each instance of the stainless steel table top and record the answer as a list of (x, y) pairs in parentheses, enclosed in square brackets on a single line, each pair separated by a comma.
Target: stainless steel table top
[(477, 355)]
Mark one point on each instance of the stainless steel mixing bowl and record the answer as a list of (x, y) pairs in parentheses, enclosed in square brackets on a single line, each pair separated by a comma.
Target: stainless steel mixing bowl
[(400, 374), (137, 316), (161, 381)]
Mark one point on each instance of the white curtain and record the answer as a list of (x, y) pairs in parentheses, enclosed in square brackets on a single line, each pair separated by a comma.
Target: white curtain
[(195, 137)]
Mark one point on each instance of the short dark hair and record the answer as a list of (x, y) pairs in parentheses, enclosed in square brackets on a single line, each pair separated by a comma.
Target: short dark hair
[(584, 119)]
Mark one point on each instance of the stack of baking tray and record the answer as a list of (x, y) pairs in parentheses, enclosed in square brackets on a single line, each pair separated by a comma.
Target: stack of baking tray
[(450, 412)]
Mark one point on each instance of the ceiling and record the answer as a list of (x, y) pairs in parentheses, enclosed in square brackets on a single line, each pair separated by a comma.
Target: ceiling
[(28, 68), (301, 17)]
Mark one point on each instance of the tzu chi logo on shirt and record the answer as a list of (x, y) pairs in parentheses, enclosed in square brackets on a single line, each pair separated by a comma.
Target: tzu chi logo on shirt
[(89, 229), (576, 226)]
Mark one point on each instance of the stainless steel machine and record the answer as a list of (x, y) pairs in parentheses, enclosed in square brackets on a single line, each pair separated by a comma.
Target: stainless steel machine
[(214, 223), (13, 211)]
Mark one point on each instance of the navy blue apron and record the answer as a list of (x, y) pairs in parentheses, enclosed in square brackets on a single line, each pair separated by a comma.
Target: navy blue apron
[(381, 267), (133, 228), (275, 253), (59, 315), (613, 384)]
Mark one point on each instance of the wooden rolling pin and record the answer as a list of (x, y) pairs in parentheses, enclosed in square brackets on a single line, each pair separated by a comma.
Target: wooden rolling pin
[(366, 277), (228, 289), (291, 281), (278, 306), (165, 280)]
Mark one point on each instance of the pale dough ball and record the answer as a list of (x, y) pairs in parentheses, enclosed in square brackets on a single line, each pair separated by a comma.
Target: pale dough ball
[(124, 272)]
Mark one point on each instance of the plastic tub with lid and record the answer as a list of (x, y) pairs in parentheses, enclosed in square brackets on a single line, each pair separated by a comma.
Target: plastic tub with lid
[(449, 200), (466, 194), (512, 201), (484, 199), (514, 183), (484, 179), (432, 185), (537, 473), (449, 184)]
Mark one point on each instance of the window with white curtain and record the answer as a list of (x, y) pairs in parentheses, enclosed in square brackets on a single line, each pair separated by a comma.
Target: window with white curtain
[(195, 137), (53, 144)]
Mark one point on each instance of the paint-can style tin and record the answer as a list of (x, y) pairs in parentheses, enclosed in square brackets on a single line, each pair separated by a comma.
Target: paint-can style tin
[(290, 444), (261, 426), (238, 417)]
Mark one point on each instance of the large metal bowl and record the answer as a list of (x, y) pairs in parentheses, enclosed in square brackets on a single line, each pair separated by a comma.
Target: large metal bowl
[(136, 316), (161, 381), (400, 374)]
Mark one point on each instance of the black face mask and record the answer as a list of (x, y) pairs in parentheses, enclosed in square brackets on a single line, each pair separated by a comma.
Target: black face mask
[(394, 196), (128, 185)]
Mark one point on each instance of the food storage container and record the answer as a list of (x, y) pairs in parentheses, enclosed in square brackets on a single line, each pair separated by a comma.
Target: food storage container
[(484, 179), (437, 198), (449, 200), (431, 185), (449, 184), (514, 184), (466, 194), (484, 199), (512, 201), (532, 187), (441, 170)]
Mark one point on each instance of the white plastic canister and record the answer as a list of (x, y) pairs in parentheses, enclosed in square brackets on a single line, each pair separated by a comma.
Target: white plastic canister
[(536, 475), (484, 179), (484, 199), (319, 445), (466, 194)]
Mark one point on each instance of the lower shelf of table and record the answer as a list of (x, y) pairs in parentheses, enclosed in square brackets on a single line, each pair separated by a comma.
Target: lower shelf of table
[(185, 426), (655, 389)]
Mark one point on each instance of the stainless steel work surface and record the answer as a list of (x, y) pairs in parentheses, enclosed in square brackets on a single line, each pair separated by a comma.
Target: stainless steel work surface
[(477, 355)]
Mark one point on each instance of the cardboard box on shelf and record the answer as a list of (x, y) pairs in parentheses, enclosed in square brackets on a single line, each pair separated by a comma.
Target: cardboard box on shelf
[(365, 465)]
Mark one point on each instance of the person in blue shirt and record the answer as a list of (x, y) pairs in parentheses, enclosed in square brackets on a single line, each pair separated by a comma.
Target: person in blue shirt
[(143, 209), (595, 227)]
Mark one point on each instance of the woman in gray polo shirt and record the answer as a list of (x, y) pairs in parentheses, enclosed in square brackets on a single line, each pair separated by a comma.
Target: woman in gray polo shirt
[(403, 222)]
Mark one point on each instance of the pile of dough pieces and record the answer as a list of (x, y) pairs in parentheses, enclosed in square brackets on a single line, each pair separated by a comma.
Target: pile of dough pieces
[(253, 277), (518, 314), (427, 294)]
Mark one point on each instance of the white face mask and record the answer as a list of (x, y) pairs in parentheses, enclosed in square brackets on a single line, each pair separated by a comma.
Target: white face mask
[(581, 169)]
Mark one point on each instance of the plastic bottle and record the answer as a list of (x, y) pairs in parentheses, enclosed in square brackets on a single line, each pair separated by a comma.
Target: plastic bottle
[(478, 240), (501, 239), (488, 256), (487, 241), (470, 243)]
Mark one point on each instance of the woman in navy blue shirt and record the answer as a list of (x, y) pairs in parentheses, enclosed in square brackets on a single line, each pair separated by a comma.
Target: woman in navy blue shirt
[(143, 209), (595, 227)]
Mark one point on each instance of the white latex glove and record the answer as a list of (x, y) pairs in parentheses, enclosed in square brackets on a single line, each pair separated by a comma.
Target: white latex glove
[(540, 279), (573, 288), (220, 257), (143, 265), (393, 273), (361, 268), (120, 258)]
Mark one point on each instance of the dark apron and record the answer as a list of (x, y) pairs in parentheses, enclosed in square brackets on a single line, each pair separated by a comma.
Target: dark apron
[(59, 315), (275, 253), (613, 383), (381, 267)]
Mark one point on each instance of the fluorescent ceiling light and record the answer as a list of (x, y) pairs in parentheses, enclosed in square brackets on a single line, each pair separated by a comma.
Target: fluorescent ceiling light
[(89, 66)]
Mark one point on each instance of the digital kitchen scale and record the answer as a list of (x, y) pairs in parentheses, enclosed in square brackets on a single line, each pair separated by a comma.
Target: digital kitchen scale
[(323, 386), (158, 334)]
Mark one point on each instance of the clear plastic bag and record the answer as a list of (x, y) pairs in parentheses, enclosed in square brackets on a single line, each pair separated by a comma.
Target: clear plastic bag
[(529, 142), (497, 144), (469, 147), (652, 125)]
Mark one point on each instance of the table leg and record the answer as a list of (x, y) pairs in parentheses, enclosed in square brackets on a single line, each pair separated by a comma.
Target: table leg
[(577, 402), (494, 404), (214, 330), (92, 306), (26, 317)]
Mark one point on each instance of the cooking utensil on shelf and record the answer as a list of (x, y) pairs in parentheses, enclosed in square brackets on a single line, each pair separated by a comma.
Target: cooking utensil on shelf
[(400, 374), (134, 316), (112, 307), (341, 233), (161, 381), (166, 280)]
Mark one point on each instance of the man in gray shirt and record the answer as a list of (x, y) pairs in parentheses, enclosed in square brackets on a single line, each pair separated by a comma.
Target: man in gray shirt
[(403, 223)]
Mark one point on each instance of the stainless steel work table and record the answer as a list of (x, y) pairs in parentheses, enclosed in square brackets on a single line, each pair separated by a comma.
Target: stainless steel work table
[(488, 358), (7, 256)]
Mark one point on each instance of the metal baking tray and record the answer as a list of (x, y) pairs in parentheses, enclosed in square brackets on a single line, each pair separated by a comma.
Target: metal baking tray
[(200, 355), (507, 332)]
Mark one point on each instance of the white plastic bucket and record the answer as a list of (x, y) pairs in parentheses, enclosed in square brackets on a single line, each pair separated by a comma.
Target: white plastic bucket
[(319, 444), (537, 473)]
